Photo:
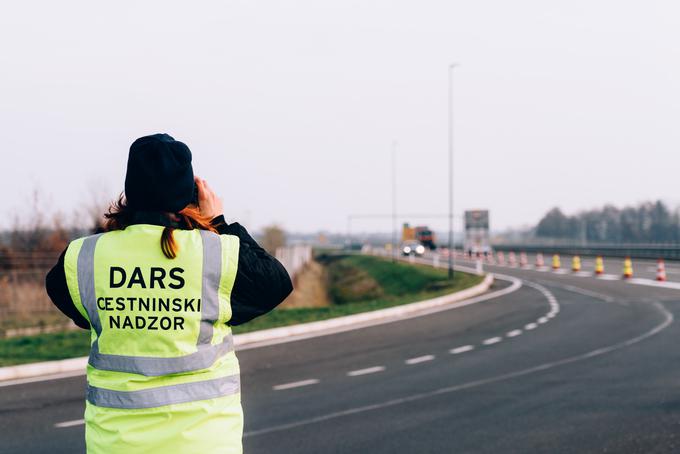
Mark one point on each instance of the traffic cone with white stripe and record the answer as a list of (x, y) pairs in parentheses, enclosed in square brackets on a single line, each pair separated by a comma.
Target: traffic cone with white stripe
[(523, 260), (599, 265), (660, 271), (540, 263), (512, 260), (556, 262), (500, 257), (576, 264), (627, 268)]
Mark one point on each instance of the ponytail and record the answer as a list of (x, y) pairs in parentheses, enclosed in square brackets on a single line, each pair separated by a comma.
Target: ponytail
[(168, 243), (193, 219)]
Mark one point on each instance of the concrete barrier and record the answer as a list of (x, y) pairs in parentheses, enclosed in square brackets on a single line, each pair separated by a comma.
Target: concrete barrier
[(355, 321), (294, 258)]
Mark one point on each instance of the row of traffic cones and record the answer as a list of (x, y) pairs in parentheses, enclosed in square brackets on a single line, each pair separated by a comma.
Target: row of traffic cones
[(575, 264)]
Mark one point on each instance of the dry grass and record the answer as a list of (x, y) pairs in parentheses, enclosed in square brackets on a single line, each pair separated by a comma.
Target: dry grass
[(310, 288), (24, 302)]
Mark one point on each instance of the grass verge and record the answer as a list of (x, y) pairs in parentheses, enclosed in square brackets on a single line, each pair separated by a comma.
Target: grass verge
[(356, 283), (44, 347), (359, 283)]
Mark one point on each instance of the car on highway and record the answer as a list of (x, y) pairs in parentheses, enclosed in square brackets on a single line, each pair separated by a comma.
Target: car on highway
[(412, 248)]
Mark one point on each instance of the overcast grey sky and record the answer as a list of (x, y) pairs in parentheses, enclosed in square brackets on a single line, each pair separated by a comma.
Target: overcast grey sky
[(290, 108)]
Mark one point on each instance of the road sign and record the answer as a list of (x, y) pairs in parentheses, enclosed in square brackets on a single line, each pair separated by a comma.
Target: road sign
[(477, 231)]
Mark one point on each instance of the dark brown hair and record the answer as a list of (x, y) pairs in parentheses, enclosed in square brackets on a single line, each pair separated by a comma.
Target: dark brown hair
[(120, 215)]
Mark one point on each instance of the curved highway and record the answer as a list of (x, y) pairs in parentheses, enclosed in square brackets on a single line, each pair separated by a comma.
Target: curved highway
[(552, 363)]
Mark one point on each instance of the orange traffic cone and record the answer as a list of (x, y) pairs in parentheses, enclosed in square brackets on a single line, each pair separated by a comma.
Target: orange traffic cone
[(556, 262), (500, 257), (539, 260), (512, 261), (627, 268), (660, 270), (599, 265), (576, 264), (489, 258)]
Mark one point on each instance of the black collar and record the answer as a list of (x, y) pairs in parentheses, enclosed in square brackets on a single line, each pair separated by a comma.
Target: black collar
[(155, 218)]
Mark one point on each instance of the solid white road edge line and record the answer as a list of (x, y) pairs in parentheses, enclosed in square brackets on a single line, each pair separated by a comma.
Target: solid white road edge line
[(668, 319), (654, 283), (21, 381)]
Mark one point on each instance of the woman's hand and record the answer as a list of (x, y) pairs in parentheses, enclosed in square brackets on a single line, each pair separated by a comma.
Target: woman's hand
[(208, 202)]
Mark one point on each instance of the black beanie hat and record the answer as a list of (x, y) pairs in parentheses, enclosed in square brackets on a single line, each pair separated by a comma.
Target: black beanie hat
[(159, 174)]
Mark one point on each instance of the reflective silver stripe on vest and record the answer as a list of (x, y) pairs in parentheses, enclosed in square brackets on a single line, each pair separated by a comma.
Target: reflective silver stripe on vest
[(86, 281), (212, 272), (152, 366), (206, 353), (164, 395)]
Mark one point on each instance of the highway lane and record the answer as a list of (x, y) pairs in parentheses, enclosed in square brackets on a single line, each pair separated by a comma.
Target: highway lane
[(494, 397), (598, 374)]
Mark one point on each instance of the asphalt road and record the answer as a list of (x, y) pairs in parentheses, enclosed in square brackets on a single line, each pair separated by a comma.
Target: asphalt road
[(558, 364)]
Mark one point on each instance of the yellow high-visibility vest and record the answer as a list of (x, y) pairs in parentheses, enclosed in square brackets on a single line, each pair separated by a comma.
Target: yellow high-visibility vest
[(162, 375)]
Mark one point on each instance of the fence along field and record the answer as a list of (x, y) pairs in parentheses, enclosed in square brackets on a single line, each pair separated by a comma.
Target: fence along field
[(26, 309)]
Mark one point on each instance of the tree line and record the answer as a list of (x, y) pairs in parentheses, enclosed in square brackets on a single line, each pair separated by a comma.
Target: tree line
[(649, 222)]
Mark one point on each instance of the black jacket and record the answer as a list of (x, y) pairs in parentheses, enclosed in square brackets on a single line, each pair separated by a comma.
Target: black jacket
[(261, 281)]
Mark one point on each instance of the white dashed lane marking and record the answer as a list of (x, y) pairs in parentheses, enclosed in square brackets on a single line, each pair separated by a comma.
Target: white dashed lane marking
[(514, 333), (419, 359), (463, 349), (530, 326), (368, 370), (492, 340), (75, 422), (295, 384)]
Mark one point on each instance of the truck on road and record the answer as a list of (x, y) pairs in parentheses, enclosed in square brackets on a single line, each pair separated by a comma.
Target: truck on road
[(420, 234)]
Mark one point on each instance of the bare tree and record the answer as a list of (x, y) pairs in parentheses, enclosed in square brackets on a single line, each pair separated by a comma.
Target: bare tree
[(273, 237)]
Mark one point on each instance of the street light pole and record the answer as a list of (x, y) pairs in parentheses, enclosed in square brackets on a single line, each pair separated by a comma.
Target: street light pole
[(394, 201), (451, 251)]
